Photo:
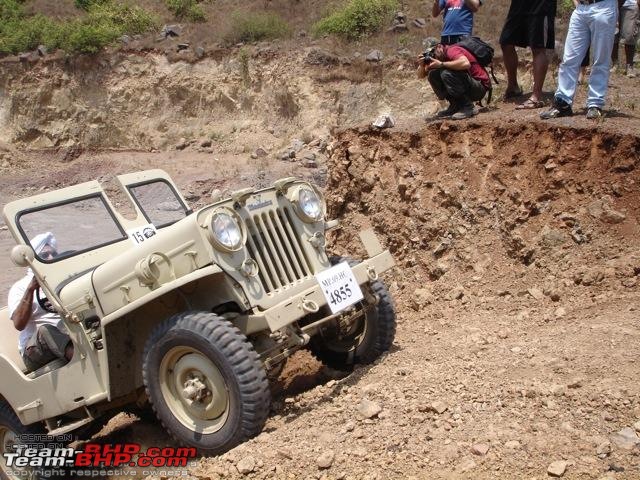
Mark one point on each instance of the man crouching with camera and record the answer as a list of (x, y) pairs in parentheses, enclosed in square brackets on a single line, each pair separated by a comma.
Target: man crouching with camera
[(455, 75)]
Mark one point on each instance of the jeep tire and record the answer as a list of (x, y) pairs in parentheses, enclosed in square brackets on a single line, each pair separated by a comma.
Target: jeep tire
[(10, 429), (205, 382), (372, 335)]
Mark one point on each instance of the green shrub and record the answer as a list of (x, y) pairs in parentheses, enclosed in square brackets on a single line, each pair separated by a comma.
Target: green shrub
[(188, 9), (26, 34), (89, 38), (86, 4), (104, 23), (565, 7), (255, 26), (357, 18), (10, 10), (120, 17)]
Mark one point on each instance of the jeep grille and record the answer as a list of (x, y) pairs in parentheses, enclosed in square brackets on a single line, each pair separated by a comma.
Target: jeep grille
[(274, 243)]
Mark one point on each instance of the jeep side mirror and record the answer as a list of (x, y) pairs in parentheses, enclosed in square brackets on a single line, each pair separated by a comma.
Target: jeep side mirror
[(22, 255)]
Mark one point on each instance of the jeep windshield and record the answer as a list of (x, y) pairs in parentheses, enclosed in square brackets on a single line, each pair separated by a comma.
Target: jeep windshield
[(159, 202), (77, 225)]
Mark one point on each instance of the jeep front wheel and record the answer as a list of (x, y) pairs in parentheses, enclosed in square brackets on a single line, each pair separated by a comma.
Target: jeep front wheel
[(10, 431), (360, 335), (205, 382)]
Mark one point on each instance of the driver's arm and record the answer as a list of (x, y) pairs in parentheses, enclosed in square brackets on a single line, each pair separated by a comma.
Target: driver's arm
[(22, 313)]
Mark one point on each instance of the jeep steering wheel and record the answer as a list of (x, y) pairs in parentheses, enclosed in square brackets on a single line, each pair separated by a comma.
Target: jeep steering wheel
[(44, 302)]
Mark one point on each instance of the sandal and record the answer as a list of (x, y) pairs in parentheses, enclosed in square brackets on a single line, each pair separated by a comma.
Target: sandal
[(530, 104), (509, 94)]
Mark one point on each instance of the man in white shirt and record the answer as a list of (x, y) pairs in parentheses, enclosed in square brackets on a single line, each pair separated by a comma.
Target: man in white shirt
[(41, 339)]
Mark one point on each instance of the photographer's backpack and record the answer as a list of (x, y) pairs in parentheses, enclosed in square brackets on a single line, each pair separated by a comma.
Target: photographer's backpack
[(483, 53)]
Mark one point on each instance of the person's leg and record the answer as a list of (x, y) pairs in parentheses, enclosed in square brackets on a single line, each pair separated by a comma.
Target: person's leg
[(629, 34), (440, 89), (36, 354), (583, 66), (512, 35), (540, 67), (456, 85), (575, 48), (510, 58), (630, 52), (614, 52), (55, 341), (435, 79), (603, 20), (465, 90)]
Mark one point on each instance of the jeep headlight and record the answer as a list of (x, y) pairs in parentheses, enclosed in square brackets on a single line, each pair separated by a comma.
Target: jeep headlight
[(226, 231), (310, 204)]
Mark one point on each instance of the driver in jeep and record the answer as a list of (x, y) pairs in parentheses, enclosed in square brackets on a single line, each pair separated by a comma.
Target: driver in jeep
[(41, 340)]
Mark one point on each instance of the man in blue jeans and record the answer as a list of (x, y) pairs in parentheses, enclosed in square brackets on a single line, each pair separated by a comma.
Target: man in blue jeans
[(593, 22), (458, 18)]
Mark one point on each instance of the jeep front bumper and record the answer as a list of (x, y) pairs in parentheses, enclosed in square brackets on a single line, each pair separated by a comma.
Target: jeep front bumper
[(296, 307)]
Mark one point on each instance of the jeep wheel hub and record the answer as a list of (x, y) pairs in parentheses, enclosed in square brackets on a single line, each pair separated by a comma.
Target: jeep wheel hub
[(7, 440), (194, 389)]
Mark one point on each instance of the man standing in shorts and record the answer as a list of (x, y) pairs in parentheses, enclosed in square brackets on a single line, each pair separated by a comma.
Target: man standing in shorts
[(629, 27), (530, 23)]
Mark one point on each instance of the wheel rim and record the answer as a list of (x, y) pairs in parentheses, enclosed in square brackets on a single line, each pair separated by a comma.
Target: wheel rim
[(8, 439), (349, 339), (194, 390)]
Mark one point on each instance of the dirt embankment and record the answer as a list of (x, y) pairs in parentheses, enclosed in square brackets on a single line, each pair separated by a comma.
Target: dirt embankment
[(517, 291)]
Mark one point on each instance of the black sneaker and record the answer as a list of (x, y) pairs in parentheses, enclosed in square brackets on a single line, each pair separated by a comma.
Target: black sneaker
[(594, 113), (447, 112), (560, 108)]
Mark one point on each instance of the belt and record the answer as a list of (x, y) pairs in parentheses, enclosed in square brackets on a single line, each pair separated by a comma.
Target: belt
[(588, 2)]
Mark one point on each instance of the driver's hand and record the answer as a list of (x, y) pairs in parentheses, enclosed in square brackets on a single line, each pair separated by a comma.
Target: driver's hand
[(33, 284)]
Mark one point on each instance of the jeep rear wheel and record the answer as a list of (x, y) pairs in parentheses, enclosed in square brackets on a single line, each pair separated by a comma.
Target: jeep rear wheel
[(205, 382), (10, 430), (360, 335)]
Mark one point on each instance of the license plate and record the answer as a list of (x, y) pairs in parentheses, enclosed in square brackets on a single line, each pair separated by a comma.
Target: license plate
[(340, 287)]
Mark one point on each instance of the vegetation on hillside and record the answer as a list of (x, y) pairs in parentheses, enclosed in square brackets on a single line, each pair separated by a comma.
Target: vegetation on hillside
[(565, 7), (255, 26), (187, 9), (105, 21), (357, 18)]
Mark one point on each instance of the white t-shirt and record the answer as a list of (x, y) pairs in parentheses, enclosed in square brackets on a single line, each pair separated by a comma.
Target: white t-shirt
[(39, 316)]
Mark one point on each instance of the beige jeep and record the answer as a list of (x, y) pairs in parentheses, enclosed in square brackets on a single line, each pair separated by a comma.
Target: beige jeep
[(188, 312)]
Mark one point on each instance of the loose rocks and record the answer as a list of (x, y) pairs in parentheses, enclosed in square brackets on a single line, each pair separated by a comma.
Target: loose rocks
[(246, 465), (325, 460), (626, 439), (369, 409), (557, 469), (480, 449)]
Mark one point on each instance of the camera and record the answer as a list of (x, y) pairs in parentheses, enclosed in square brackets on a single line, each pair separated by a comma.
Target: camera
[(428, 56)]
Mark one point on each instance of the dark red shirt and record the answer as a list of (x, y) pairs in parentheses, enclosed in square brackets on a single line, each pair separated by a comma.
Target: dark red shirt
[(477, 72)]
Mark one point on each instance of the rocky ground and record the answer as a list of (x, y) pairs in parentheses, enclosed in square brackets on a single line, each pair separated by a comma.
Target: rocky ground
[(517, 291)]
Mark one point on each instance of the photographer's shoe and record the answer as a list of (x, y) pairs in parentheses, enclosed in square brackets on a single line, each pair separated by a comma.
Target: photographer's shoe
[(594, 113), (466, 111), (449, 111), (559, 109)]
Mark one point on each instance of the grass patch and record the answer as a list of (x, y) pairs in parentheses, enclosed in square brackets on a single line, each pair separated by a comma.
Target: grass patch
[(357, 18), (565, 8), (86, 4), (256, 26), (104, 23), (187, 9)]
